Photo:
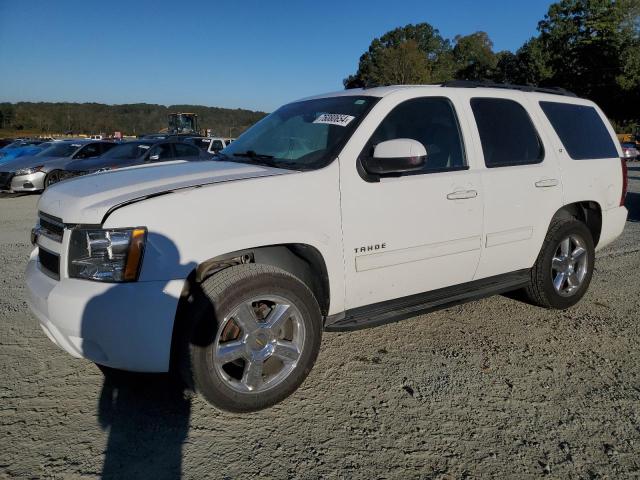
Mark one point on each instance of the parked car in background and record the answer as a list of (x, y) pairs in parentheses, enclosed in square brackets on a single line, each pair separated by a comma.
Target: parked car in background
[(211, 145), (35, 172), (630, 151), (6, 141), (129, 154), (21, 148)]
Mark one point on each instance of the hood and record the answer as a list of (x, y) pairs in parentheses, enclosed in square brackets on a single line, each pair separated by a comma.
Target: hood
[(26, 162), (87, 199), (17, 153)]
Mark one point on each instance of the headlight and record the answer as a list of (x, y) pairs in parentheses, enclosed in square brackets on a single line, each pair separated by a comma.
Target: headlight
[(28, 171), (113, 255)]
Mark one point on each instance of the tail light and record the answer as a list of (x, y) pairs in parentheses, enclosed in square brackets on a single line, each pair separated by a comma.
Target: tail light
[(625, 181)]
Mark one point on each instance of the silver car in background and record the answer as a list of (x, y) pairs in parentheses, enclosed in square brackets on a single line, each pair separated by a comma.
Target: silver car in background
[(37, 172)]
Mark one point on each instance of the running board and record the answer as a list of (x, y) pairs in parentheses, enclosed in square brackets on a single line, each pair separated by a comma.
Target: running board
[(405, 307)]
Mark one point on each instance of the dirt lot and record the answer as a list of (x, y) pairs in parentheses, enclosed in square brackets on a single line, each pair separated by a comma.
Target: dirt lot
[(494, 388)]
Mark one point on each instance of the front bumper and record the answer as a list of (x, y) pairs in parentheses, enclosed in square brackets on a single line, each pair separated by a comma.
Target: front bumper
[(121, 325), (33, 182)]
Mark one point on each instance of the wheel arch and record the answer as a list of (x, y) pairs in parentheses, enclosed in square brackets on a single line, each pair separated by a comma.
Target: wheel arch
[(588, 212), (301, 260)]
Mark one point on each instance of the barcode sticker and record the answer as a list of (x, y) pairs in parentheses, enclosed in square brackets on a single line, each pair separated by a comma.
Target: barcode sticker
[(334, 119)]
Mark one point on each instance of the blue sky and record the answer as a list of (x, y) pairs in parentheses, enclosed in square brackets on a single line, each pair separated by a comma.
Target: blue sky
[(244, 54)]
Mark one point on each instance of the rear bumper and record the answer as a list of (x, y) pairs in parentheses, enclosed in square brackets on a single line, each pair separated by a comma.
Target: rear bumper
[(126, 326), (613, 222)]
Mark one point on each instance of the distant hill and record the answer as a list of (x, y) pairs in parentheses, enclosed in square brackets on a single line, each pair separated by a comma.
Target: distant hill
[(131, 119)]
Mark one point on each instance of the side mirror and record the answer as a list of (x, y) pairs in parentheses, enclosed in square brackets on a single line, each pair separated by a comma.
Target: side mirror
[(154, 157), (400, 155)]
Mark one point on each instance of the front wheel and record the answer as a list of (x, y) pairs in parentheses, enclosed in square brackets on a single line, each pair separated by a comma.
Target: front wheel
[(563, 270), (52, 177), (256, 337)]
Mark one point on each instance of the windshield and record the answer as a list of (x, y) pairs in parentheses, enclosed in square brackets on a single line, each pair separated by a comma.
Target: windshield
[(60, 150), (302, 135), (128, 150)]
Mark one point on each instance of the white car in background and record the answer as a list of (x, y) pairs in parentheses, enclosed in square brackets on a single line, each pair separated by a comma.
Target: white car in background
[(337, 212)]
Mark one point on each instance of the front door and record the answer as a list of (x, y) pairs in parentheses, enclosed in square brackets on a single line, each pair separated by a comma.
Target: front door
[(416, 232)]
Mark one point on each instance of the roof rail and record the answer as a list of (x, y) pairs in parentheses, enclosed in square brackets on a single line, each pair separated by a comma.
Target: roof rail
[(508, 86)]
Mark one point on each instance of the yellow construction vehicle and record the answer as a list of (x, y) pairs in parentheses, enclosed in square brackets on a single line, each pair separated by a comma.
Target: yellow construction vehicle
[(631, 137), (183, 124)]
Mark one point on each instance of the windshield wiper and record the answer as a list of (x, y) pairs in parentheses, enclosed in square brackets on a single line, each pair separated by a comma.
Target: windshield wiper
[(252, 154)]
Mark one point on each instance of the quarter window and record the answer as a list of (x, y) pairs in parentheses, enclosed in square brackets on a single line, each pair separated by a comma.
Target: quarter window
[(431, 121), (507, 134), (581, 130)]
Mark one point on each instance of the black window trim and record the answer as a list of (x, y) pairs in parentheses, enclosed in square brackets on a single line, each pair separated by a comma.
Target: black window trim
[(533, 125), (372, 178)]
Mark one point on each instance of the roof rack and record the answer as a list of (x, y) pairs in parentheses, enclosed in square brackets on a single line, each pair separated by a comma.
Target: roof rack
[(508, 86)]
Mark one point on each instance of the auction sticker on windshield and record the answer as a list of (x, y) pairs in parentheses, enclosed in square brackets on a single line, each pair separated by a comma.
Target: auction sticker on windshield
[(334, 119)]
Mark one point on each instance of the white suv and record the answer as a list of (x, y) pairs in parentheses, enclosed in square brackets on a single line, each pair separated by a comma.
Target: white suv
[(337, 212)]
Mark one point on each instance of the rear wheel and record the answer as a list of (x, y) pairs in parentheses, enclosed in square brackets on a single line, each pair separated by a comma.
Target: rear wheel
[(255, 340), (563, 270)]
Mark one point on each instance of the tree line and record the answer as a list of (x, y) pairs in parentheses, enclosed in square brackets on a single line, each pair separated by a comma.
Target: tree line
[(590, 47), (131, 119)]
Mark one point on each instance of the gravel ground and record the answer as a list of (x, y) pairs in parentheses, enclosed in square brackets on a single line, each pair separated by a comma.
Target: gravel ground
[(494, 388)]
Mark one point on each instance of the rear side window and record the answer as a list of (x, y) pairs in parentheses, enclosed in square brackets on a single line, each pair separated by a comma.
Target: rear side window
[(184, 150), (581, 130), (507, 134)]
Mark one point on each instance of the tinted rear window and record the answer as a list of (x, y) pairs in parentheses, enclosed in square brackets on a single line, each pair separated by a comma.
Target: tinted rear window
[(581, 130), (507, 134)]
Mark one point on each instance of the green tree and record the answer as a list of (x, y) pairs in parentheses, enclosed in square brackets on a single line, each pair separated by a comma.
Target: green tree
[(402, 65), (408, 42), (474, 57), (592, 49), (528, 66)]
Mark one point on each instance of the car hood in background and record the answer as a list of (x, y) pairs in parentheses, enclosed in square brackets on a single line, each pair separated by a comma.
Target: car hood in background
[(89, 198), (17, 154), (31, 161)]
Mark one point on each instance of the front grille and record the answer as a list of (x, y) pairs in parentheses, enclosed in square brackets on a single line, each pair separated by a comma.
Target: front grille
[(5, 180), (49, 262), (51, 226)]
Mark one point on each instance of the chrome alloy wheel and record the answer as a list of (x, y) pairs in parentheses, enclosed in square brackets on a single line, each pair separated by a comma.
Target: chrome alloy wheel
[(569, 265), (259, 344)]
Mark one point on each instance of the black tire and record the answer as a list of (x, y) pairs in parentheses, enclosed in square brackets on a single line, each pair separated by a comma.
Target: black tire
[(540, 290), (51, 178), (219, 295)]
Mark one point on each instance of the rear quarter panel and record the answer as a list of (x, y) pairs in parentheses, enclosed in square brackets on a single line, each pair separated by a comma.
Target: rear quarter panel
[(598, 180)]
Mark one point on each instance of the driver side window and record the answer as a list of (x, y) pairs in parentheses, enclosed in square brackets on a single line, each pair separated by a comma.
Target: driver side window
[(89, 151), (160, 152), (432, 121)]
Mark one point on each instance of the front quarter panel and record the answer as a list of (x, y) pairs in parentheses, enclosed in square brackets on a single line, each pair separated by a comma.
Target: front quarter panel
[(189, 226)]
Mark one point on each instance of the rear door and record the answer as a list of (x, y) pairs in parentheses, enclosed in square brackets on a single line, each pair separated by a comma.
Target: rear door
[(520, 178)]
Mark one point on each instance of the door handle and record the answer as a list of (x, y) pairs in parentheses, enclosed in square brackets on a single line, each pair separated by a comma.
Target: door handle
[(462, 194), (547, 182)]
